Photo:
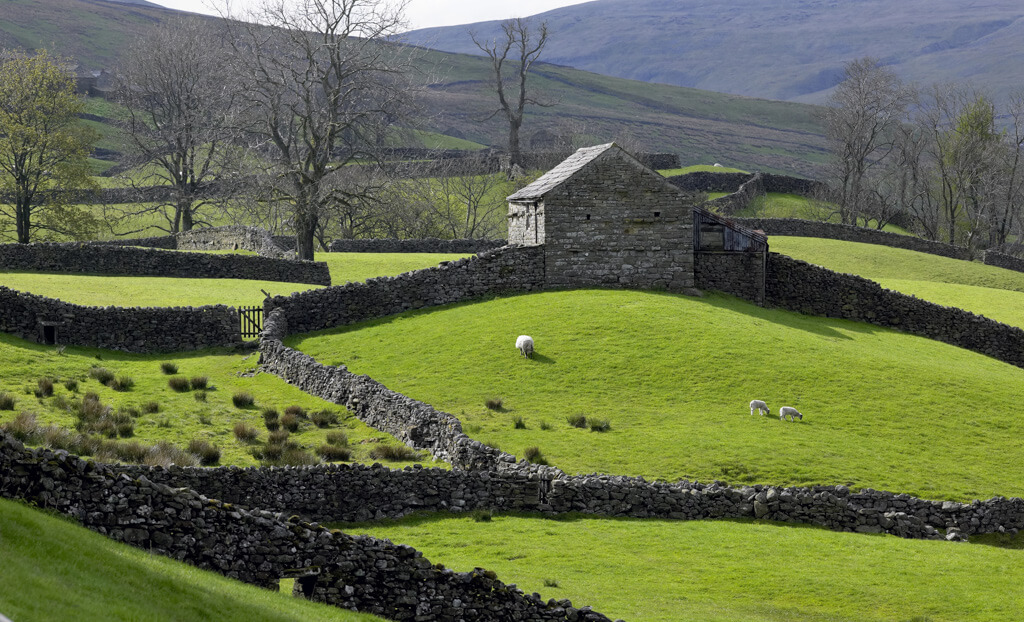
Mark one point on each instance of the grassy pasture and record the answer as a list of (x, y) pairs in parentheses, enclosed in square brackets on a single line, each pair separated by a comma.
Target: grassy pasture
[(724, 571), (56, 570), (700, 168), (673, 376)]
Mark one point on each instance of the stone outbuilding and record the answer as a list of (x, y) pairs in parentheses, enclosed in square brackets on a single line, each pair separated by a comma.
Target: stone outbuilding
[(604, 219)]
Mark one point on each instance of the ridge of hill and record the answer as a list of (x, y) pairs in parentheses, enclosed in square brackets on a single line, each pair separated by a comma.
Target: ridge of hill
[(791, 51), (703, 127)]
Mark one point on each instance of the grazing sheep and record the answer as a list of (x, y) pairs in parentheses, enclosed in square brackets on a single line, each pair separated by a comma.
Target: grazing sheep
[(760, 407), (792, 413), (525, 345)]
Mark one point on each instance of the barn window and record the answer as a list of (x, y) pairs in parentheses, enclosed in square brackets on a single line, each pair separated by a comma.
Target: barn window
[(657, 214), (588, 216)]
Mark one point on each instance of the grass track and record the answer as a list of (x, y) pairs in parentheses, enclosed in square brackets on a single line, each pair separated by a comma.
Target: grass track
[(674, 374), (723, 571), (55, 570)]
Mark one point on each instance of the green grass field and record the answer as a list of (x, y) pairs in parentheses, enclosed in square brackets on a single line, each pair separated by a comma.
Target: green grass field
[(55, 570), (673, 376), (724, 571)]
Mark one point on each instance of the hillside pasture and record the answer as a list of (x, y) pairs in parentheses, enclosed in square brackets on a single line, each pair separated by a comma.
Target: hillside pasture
[(723, 571), (672, 375)]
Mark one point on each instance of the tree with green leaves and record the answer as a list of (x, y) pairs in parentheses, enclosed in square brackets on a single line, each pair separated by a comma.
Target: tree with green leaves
[(43, 149)]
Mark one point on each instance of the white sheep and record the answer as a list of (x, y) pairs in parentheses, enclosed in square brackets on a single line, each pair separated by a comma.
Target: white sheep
[(760, 407), (792, 413), (525, 345)]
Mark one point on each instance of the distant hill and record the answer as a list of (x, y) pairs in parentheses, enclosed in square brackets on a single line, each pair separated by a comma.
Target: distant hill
[(793, 50), (702, 127)]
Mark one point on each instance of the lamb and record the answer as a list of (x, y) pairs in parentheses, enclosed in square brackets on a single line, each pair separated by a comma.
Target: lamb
[(792, 413), (525, 345), (760, 407)]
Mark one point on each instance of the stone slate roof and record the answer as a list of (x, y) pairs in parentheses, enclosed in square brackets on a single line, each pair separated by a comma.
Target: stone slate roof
[(556, 176)]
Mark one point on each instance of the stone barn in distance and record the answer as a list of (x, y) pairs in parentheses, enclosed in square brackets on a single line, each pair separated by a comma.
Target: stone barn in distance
[(606, 220)]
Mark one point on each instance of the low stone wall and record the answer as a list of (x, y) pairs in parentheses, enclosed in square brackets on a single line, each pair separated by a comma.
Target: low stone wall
[(424, 245), (503, 270), (45, 320), (229, 238), (849, 233), (1002, 260), (131, 261), (743, 197), (706, 181), (738, 274), (799, 286), (260, 547)]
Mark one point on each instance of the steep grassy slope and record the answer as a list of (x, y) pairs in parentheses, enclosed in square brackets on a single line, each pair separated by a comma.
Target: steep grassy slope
[(725, 571), (673, 376), (55, 570)]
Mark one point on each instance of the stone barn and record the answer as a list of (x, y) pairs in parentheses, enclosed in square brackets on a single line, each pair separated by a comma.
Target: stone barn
[(606, 220)]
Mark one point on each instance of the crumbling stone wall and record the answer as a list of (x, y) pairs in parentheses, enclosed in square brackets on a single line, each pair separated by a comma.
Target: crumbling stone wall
[(423, 245), (45, 320), (93, 258), (707, 181), (261, 547), (751, 189), (229, 238), (848, 233), (502, 270)]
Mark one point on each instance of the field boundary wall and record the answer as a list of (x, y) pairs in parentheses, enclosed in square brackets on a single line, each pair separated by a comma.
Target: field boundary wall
[(420, 245)]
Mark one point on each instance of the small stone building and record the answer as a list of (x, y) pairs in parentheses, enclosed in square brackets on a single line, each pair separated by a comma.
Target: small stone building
[(606, 220)]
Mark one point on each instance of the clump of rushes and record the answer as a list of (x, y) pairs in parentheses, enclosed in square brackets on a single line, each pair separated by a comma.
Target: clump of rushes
[(121, 383), (599, 425), (23, 427), (199, 396), (295, 411), (577, 421), (493, 404), (243, 400), (44, 387), (101, 374), (337, 438), (6, 401), (207, 453), (482, 516), (324, 418), (518, 423), (333, 453), (199, 382), (271, 419), (533, 455), (179, 384), (169, 368), (277, 437), (290, 422), (151, 407), (394, 453), (71, 385), (245, 432)]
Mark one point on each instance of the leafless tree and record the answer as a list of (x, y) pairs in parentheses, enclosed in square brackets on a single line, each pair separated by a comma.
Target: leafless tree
[(323, 84), (182, 99), (512, 54), (861, 119)]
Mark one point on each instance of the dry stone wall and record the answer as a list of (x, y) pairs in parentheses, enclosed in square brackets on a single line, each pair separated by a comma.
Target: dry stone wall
[(92, 258), (1002, 260), (423, 245), (738, 274), (229, 238), (261, 547), (499, 271), (46, 320)]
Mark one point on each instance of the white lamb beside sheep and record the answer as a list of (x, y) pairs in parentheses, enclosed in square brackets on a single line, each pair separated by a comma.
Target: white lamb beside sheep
[(759, 406), (792, 413), (525, 345)]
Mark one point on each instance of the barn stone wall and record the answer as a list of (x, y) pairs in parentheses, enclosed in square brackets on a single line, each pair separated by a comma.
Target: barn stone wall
[(89, 258), (176, 329), (616, 224)]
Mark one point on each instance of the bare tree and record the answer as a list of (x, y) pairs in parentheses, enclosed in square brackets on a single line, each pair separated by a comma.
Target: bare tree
[(323, 84), (524, 45), (860, 123), (469, 203), (182, 101)]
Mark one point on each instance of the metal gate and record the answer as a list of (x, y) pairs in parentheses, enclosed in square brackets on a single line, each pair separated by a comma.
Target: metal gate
[(251, 320)]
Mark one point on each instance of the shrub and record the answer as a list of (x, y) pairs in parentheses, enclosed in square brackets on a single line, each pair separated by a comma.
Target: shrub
[(207, 453), (533, 455), (178, 383), (121, 383), (199, 382), (243, 400), (493, 404), (324, 418), (6, 401), (151, 408), (277, 437), (599, 425), (290, 422), (44, 387), (23, 427), (394, 453), (295, 411), (245, 432), (200, 396), (577, 421), (101, 374), (337, 438), (333, 453), (518, 423), (169, 368), (71, 385)]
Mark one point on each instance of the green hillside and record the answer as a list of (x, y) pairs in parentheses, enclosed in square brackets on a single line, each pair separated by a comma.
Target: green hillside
[(55, 570)]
